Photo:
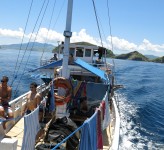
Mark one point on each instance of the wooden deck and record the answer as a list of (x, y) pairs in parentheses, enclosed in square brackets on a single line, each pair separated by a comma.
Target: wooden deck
[(18, 130), (17, 133), (106, 138)]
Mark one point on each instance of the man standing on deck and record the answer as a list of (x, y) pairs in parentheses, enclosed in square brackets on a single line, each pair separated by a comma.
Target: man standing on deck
[(33, 100), (5, 96)]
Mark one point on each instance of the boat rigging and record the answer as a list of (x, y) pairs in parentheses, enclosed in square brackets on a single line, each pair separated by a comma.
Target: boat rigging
[(85, 119)]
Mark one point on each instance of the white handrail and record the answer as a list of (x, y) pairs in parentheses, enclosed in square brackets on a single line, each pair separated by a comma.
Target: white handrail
[(115, 142)]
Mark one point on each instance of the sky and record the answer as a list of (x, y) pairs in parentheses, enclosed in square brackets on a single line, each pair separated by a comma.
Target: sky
[(131, 25)]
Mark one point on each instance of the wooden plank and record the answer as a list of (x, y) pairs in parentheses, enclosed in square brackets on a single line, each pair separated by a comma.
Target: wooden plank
[(105, 138), (17, 132)]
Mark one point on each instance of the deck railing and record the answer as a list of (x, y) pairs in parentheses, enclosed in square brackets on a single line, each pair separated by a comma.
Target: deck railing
[(18, 105), (44, 62)]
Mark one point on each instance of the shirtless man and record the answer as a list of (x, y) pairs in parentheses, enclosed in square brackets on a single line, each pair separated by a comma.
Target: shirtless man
[(33, 99), (5, 96)]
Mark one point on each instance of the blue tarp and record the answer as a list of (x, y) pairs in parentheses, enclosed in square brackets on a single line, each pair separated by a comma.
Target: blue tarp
[(91, 68), (78, 62), (51, 65)]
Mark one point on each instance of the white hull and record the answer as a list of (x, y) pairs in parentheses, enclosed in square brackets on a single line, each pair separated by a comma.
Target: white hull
[(18, 105)]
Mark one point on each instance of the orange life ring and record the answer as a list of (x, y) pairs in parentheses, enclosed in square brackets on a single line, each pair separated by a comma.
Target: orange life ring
[(64, 83)]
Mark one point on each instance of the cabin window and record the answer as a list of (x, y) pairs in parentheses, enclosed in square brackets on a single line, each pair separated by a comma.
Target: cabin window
[(87, 52), (72, 51), (79, 52)]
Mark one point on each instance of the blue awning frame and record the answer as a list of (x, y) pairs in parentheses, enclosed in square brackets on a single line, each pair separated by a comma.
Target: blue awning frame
[(79, 62), (94, 70), (51, 65)]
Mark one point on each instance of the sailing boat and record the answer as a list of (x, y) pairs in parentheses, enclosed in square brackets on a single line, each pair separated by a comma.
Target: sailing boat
[(82, 111)]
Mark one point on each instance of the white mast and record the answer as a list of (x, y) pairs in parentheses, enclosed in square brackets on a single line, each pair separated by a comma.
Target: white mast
[(67, 34)]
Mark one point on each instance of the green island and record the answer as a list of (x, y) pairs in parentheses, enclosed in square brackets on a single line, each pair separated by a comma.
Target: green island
[(35, 46)]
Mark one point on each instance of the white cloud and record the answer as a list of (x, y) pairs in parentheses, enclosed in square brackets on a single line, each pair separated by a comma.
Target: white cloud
[(146, 45), (51, 36), (122, 44), (82, 36), (11, 33)]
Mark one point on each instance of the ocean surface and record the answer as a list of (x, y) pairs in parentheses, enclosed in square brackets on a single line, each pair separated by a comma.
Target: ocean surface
[(141, 101)]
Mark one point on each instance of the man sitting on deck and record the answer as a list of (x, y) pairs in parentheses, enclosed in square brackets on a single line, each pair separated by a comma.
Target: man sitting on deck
[(5, 96)]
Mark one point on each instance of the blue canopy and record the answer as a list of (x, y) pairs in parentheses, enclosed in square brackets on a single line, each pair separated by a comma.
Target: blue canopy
[(91, 68), (51, 65), (80, 63)]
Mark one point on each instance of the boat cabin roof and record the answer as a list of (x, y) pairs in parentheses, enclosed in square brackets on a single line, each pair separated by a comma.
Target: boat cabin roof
[(89, 53)]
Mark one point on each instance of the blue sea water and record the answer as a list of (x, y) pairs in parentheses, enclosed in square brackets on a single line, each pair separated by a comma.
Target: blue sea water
[(141, 101), (141, 104), (18, 68)]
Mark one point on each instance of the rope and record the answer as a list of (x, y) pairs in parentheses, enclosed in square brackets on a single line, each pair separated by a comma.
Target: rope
[(110, 27), (98, 27), (53, 25), (113, 70), (16, 70), (97, 22), (48, 29), (62, 6), (32, 44), (14, 75)]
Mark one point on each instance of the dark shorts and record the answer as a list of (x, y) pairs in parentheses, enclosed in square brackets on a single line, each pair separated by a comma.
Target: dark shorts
[(28, 112), (7, 109), (40, 110)]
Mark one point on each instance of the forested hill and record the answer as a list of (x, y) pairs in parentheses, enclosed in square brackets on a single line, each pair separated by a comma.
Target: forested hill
[(133, 56), (159, 60), (31, 45), (139, 57), (51, 48)]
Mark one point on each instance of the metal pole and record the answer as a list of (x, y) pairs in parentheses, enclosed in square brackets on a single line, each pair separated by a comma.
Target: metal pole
[(67, 34)]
